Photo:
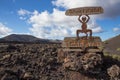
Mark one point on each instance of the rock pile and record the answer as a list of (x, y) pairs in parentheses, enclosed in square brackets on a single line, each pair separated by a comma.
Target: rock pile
[(114, 72), (89, 62), (72, 62), (92, 62)]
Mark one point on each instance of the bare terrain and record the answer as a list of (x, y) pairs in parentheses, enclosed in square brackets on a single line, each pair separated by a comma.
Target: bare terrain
[(112, 45), (34, 60), (40, 62)]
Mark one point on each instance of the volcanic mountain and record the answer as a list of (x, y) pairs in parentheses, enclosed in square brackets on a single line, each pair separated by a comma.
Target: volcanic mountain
[(112, 45), (25, 38)]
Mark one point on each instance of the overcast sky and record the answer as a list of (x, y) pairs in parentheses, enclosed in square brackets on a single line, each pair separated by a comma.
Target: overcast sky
[(47, 19)]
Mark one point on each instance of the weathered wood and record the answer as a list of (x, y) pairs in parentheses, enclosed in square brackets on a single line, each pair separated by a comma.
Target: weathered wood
[(93, 50), (84, 11), (71, 42), (80, 50)]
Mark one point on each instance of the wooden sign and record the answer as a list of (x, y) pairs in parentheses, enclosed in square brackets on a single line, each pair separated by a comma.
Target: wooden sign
[(72, 42), (84, 11)]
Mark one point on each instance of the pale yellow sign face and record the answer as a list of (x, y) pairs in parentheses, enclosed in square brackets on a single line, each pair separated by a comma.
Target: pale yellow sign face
[(84, 11)]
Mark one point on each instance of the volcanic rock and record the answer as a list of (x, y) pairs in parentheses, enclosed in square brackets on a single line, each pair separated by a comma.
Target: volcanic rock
[(89, 62), (114, 72)]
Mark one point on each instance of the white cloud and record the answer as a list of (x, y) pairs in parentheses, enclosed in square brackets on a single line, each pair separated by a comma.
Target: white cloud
[(23, 12), (73, 3), (57, 25), (22, 18), (116, 29), (95, 27), (4, 30), (54, 25), (111, 7)]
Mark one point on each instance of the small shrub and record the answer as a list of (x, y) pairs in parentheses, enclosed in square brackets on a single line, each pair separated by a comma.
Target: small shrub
[(105, 42), (118, 49), (114, 56)]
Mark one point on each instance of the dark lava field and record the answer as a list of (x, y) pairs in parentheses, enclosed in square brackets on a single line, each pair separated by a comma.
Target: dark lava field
[(37, 62), (33, 61)]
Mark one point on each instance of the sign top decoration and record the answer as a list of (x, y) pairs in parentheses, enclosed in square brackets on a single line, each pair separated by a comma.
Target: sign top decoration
[(84, 11)]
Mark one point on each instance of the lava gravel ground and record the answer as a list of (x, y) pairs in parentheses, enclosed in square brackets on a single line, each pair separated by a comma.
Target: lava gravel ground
[(29, 61), (40, 62)]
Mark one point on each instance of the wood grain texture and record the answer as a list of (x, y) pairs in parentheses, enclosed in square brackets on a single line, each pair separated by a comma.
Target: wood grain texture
[(84, 11)]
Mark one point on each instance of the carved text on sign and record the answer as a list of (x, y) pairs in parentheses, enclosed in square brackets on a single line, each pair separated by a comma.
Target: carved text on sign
[(84, 11), (82, 44)]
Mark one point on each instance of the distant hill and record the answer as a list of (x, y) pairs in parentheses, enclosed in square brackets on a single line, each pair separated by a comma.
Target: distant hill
[(112, 45), (25, 39)]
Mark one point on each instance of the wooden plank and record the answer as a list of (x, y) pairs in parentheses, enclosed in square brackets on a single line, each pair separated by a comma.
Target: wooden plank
[(73, 50), (72, 42), (84, 11), (81, 50), (94, 50)]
